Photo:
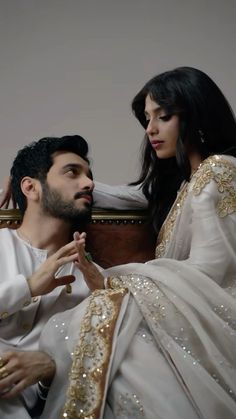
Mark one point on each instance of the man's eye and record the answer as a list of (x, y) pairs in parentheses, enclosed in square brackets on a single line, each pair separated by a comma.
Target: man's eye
[(71, 172)]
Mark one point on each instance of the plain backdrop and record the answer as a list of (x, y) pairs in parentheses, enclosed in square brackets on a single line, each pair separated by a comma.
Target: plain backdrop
[(73, 66)]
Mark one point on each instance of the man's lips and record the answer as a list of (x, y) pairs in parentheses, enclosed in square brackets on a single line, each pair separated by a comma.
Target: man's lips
[(85, 195)]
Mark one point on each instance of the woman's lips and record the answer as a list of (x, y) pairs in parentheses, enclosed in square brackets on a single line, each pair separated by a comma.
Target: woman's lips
[(157, 144)]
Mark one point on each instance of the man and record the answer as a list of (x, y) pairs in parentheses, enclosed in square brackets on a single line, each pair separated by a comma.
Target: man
[(52, 185)]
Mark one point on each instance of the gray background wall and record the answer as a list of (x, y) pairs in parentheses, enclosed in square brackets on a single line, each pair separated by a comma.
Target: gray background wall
[(73, 66)]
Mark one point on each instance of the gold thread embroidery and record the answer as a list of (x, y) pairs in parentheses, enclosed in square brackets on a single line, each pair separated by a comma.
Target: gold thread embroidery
[(168, 226), (87, 378), (207, 171)]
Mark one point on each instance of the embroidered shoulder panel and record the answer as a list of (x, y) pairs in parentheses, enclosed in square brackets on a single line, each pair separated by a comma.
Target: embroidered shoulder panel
[(223, 173), (91, 357)]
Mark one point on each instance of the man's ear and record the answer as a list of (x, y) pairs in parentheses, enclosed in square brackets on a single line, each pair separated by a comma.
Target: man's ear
[(31, 188)]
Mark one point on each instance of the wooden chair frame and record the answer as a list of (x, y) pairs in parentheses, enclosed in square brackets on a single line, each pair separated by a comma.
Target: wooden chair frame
[(113, 237)]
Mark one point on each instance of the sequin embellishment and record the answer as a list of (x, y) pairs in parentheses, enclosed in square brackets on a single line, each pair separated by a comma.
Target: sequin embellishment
[(91, 356), (129, 406), (222, 172), (168, 226)]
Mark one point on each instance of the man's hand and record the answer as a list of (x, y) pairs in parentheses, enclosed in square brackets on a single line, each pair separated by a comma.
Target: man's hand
[(7, 195), (20, 369), (43, 280), (92, 276)]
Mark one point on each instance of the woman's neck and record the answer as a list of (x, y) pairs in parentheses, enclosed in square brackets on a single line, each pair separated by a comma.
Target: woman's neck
[(195, 160)]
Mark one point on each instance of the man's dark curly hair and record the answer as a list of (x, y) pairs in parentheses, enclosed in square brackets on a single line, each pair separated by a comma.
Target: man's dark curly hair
[(35, 160)]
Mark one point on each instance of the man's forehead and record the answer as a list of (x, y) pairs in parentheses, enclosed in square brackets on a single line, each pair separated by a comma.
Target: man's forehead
[(62, 158)]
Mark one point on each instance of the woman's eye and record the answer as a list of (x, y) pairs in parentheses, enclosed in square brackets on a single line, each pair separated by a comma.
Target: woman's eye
[(166, 117)]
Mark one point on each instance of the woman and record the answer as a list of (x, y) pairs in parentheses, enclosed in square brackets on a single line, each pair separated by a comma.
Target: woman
[(159, 341)]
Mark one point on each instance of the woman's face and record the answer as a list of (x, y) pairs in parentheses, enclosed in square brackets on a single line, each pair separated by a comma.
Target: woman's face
[(162, 129)]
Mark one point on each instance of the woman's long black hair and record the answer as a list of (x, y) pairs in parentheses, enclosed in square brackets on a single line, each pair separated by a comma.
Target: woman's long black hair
[(207, 126)]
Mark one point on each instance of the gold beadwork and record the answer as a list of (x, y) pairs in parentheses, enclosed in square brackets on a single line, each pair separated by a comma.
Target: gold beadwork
[(205, 173), (168, 226), (222, 172), (87, 378)]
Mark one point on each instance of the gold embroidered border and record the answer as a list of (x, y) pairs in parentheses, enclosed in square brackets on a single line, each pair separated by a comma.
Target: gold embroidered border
[(87, 378), (168, 226), (207, 172)]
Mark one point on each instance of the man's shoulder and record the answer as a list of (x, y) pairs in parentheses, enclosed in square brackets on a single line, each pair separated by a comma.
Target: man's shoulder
[(6, 232)]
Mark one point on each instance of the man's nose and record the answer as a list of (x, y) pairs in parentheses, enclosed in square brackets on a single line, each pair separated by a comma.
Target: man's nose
[(88, 183)]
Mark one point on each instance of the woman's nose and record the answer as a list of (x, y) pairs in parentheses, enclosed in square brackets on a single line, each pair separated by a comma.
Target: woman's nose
[(152, 127)]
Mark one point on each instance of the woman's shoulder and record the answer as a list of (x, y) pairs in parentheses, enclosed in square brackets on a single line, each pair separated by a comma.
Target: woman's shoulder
[(217, 175), (217, 162), (220, 168)]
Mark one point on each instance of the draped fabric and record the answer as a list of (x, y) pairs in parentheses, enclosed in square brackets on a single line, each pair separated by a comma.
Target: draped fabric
[(167, 349)]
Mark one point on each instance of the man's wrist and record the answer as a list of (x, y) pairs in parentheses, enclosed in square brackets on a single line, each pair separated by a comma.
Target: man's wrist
[(43, 390)]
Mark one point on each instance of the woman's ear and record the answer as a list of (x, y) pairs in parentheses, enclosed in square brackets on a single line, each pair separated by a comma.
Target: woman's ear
[(30, 188)]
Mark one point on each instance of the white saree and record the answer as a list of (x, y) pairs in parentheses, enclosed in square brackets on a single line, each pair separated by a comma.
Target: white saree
[(160, 341)]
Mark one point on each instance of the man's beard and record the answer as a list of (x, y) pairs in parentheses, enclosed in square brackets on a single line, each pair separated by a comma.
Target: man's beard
[(53, 204)]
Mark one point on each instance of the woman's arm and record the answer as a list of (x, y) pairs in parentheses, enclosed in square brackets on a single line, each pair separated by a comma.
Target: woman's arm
[(120, 197)]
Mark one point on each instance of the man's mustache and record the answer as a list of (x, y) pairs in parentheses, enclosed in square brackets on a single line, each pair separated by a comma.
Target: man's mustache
[(84, 193)]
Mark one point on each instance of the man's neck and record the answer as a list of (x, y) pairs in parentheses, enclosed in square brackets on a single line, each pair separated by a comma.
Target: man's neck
[(44, 232)]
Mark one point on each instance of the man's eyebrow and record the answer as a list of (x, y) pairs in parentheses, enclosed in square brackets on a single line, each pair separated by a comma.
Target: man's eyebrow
[(73, 166)]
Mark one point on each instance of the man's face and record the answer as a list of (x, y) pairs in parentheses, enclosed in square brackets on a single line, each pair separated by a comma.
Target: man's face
[(67, 192)]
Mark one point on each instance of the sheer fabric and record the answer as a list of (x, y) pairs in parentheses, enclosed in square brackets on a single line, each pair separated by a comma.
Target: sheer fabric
[(120, 197), (166, 350)]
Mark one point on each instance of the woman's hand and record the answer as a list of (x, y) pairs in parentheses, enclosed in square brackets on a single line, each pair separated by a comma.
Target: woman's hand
[(92, 276), (21, 369)]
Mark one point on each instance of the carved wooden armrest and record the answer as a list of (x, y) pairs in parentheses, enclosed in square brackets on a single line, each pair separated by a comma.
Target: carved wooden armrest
[(10, 218)]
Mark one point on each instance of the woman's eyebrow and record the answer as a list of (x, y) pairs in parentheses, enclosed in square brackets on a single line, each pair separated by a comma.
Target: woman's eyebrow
[(157, 109)]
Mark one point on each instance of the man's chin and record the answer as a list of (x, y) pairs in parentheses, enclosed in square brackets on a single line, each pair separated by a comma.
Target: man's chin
[(83, 215)]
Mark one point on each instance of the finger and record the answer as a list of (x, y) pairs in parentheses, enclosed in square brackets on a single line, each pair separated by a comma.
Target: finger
[(80, 244), (14, 389), (4, 372), (7, 383), (65, 250), (4, 202), (3, 360), (66, 259), (10, 379), (81, 251), (78, 235)]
